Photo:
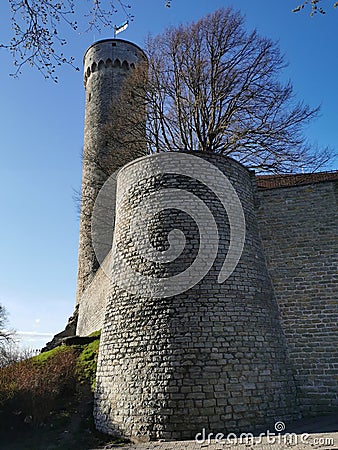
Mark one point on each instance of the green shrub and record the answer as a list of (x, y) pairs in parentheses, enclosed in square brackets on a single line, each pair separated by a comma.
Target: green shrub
[(30, 389)]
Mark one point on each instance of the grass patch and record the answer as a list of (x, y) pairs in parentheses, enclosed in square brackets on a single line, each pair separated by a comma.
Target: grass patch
[(87, 362), (95, 334), (44, 357)]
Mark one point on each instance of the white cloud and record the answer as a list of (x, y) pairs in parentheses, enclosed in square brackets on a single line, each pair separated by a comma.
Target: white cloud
[(33, 339), (34, 333)]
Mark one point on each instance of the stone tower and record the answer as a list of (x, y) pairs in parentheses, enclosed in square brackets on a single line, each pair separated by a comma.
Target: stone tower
[(106, 65)]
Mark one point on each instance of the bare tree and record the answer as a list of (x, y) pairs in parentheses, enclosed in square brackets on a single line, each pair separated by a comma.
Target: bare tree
[(212, 86), (6, 335), (314, 5), (39, 29), (9, 349), (11, 353)]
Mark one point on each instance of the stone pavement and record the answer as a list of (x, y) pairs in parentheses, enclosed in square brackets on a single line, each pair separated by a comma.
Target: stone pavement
[(320, 433), (320, 441)]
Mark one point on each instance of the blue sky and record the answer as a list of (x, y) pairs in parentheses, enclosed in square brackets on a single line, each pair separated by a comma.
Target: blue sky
[(42, 136)]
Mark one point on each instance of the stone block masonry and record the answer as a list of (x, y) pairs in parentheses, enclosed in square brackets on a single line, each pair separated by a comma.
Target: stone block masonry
[(211, 357), (299, 229), (93, 303)]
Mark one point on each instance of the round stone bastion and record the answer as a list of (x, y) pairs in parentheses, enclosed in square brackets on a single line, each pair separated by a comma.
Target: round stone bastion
[(192, 337)]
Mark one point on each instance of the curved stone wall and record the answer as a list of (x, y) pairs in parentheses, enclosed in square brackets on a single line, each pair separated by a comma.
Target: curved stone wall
[(209, 354)]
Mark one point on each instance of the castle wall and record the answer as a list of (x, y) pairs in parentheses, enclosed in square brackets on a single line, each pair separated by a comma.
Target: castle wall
[(299, 230), (212, 356), (93, 303)]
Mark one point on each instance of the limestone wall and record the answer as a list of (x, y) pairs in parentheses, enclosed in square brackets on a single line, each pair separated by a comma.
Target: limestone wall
[(211, 356), (299, 229), (92, 305)]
